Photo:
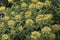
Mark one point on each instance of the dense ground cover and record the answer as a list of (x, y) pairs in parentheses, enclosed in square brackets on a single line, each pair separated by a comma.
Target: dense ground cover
[(29, 19)]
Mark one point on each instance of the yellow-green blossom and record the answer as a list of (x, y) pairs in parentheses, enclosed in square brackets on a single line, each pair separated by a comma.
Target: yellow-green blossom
[(35, 35), (13, 13), (39, 18), (47, 3), (39, 5), (29, 22), (46, 30), (23, 5), (32, 5), (20, 28), (11, 23), (2, 8), (48, 17), (6, 18), (13, 31), (56, 27), (1, 25), (5, 36), (52, 36), (18, 17), (28, 14)]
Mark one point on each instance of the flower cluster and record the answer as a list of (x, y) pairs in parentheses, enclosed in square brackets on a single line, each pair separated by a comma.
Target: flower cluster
[(35, 35), (29, 20)]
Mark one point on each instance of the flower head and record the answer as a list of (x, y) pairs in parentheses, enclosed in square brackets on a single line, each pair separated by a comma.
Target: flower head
[(1, 24), (28, 14), (56, 27), (11, 22), (6, 18), (48, 17), (32, 5), (39, 18), (5, 36), (29, 22), (52, 36), (39, 5), (23, 5), (46, 30), (18, 17), (13, 31), (47, 3), (20, 28), (2, 8), (35, 35), (13, 13)]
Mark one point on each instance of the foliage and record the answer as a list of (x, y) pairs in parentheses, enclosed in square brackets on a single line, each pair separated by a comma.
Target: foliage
[(29, 19)]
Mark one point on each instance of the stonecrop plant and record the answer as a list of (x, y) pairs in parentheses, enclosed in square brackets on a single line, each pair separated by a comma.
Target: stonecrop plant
[(29, 19)]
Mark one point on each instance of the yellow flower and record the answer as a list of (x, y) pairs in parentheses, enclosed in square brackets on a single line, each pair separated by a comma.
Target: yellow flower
[(46, 30), (23, 5), (29, 22), (35, 35), (2, 8), (13, 13), (44, 17), (52, 36), (13, 32), (1, 24), (10, 1), (39, 18), (6, 18), (56, 27), (48, 17), (31, 6), (11, 22), (39, 5), (5, 36), (18, 17), (34, 1), (28, 14), (20, 28), (47, 3)]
